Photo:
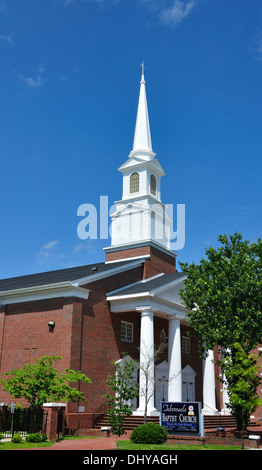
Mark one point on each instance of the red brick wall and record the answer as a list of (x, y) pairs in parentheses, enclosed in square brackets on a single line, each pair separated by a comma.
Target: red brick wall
[(26, 335), (128, 253), (95, 344), (158, 262)]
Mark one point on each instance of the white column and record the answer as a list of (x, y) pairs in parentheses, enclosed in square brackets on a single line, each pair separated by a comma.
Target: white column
[(146, 371), (174, 361), (209, 391), (225, 410)]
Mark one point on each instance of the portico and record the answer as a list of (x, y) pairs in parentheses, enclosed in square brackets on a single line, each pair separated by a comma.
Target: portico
[(155, 297)]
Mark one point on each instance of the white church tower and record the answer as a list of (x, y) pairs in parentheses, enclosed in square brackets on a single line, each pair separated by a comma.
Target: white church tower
[(140, 217)]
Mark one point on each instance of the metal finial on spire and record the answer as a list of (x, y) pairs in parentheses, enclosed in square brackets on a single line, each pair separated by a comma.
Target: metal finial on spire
[(143, 68)]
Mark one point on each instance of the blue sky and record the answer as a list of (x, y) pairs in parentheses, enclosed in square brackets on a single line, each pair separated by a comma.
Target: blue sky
[(69, 91)]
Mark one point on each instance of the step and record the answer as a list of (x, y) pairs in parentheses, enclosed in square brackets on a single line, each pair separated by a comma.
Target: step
[(131, 422), (210, 421)]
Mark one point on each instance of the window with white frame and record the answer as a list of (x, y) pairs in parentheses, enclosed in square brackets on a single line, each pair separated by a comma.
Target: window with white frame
[(127, 331), (153, 184), (186, 345), (134, 183)]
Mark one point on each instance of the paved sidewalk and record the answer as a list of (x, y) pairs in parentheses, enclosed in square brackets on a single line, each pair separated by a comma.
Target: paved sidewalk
[(97, 443)]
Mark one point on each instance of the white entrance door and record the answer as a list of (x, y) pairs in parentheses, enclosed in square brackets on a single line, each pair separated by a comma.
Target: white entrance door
[(161, 384), (188, 391), (129, 402), (188, 384)]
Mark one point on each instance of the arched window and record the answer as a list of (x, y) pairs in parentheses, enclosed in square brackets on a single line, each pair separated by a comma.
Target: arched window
[(153, 185), (134, 183)]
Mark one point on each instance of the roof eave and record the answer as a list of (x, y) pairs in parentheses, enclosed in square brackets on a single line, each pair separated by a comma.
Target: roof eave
[(55, 290)]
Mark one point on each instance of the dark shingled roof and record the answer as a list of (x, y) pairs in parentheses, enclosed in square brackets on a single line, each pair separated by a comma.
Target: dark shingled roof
[(61, 275), (148, 285)]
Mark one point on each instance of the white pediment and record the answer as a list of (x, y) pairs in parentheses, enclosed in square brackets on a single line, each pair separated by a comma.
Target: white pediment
[(170, 293), (136, 162), (188, 373)]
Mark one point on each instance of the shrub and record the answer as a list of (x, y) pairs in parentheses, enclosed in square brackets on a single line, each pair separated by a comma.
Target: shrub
[(36, 437), (150, 433), (17, 438), (1, 436)]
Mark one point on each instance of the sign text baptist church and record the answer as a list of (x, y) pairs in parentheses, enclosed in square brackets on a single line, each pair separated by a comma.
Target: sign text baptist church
[(181, 417)]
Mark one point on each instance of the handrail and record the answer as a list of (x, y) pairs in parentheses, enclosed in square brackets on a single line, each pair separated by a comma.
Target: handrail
[(208, 410), (99, 413)]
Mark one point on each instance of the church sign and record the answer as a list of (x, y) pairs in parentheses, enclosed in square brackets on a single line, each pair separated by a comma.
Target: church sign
[(181, 417)]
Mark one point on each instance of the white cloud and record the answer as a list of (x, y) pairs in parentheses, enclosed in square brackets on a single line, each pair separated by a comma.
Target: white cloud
[(177, 12), (36, 82), (49, 252), (245, 209), (50, 245), (259, 47), (6, 38), (89, 245)]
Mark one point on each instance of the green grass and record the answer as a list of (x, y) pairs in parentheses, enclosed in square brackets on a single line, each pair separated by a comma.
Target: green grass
[(128, 445), (123, 445), (24, 445), (30, 445)]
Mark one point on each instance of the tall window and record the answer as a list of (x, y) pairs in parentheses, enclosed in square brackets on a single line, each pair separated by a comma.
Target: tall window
[(186, 345), (134, 183), (127, 331), (153, 185)]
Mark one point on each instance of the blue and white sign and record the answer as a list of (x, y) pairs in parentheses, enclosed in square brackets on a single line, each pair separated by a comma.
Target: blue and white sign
[(181, 417), (13, 407)]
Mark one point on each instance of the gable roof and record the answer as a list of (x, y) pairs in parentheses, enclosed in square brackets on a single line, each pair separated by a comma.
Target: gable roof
[(88, 273), (148, 285)]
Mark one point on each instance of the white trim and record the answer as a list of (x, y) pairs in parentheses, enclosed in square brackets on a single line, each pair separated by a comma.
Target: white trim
[(13, 297), (144, 243), (150, 293), (160, 307), (123, 322), (28, 290), (167, 286), (133, 284), (54, 405), (128, 259), (130, 296)]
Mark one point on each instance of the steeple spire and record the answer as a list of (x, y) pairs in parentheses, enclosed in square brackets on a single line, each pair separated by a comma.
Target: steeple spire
[(140, 217), (142, 137)]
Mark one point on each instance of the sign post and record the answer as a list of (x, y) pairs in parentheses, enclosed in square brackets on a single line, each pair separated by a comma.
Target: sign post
[(13, 407), (182, 418)]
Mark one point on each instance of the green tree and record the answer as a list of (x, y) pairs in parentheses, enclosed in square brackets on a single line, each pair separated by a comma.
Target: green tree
[(124, 389), (223, 296), (40, 382), (242, 382)]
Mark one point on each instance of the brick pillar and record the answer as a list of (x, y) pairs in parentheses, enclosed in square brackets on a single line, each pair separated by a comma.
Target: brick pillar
[(51, 418), (3, 416)]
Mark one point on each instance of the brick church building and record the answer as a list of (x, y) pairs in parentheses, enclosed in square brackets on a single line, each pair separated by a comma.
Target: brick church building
[(126, 304)]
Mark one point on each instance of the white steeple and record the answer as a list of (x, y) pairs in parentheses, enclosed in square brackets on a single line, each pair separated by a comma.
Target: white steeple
[(142, 137), (140, 216)]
